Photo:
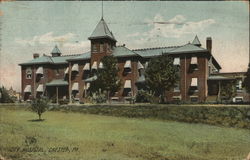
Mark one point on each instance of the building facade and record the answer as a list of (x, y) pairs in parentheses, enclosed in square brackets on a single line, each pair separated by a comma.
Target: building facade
[(69, 76)]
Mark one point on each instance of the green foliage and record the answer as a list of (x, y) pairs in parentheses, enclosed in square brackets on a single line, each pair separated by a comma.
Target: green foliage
[(161, 75), (4, 96), (39, 105), (99, 97), (107, 77), (63, 101), (144, 96), (246, 82), (228, 90)]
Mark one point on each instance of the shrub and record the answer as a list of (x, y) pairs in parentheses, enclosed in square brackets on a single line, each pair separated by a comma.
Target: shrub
[(145, 96), (39, 106), (63, 101), (5, 97), (99, 97)]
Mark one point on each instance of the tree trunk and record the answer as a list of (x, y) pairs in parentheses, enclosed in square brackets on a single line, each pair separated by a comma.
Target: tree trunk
[(39, 114), (163, 96), (108, 92)]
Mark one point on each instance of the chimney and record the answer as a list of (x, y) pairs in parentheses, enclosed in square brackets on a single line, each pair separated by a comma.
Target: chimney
[(209, 44), (35, 55)]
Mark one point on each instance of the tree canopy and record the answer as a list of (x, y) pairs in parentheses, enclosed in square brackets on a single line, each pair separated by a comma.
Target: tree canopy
[(39, 105), (228, 90), (107, 77), (4, 96), (161, 75)]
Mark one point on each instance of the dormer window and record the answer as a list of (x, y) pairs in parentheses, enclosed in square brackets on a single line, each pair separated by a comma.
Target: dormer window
[(28, 73)]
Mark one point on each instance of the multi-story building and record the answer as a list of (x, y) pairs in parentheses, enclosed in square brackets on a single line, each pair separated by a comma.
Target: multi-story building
[(68, 76)]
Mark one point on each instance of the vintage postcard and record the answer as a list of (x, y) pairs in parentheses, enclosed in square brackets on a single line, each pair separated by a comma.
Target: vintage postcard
[(124, 80)]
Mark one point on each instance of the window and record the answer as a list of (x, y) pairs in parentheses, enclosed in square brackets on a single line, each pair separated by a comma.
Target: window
[(239, 85), (176, 61), (177, 87), (108, 47), (194, 63), (176, 98), (28, 73), (57, 71), (94, 48), (194, 98), (101, 47), (127, 66), (194, 85), (238, 99)]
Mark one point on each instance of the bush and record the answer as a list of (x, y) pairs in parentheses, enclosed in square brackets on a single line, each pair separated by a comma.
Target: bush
[(5, 97), (144, 97), (63, 101), (99, 97), (39, 106)]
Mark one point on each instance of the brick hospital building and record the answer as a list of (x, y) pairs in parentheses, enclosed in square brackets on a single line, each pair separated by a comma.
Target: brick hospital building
[(68, 76)]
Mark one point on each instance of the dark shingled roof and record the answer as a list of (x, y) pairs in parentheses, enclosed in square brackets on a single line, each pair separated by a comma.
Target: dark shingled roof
[(102, 31)]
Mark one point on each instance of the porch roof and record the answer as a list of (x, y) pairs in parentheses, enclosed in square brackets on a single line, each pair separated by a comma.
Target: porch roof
[(57, 82), (218, 77)]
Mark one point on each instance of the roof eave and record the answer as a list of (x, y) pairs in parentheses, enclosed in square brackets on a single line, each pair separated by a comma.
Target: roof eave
[(183, 52), (25, 64), (98, 37), (78, 59), (121, 56)]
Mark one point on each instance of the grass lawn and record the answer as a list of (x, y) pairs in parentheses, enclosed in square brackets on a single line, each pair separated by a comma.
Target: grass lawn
[(75, 136)]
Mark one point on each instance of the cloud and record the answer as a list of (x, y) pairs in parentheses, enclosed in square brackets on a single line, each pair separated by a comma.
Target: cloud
[(174, 27), (46, 38), (68, 42), (133, 34)]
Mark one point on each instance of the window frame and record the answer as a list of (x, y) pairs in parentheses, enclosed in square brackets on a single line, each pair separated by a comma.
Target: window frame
[(26, 73)]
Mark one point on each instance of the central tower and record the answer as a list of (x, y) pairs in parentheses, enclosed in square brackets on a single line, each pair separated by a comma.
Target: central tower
[(102, 42)]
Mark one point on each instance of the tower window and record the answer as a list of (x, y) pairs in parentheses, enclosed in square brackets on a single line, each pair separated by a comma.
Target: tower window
[(101, 47), (57, 71), (94, 48)]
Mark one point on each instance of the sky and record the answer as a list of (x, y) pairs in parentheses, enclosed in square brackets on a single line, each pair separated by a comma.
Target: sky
[(29, 27)]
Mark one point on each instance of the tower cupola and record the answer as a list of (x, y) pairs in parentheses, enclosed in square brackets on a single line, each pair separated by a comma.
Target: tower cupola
[(196, 41), (56, 52)]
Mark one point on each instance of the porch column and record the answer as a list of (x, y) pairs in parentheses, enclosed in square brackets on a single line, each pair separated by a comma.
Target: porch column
[(57, 95), (218, 97), (70, 101)]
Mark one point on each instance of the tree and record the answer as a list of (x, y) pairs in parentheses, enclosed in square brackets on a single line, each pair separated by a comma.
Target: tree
[(107, 77), (228, 90), (246, 82), (161, 75), (39, 105), (4, 96)]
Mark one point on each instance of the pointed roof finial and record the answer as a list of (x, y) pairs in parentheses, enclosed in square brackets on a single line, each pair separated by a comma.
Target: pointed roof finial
[(102, 31), (102, 9), (196, 41)]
